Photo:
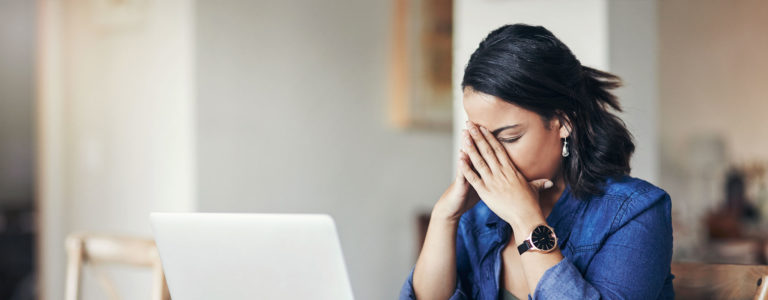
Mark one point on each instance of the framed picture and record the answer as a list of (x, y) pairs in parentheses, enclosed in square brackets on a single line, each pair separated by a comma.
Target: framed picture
[(421, 65)]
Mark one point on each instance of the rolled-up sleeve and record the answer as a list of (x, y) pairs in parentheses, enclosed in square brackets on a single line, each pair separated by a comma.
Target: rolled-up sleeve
[(563, 281), (633, 263)]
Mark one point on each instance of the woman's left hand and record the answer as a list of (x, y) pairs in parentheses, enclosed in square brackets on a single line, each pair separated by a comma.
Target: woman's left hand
[(498, 182)]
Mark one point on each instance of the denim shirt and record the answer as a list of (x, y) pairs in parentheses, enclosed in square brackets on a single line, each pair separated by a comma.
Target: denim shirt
[(615, 246)]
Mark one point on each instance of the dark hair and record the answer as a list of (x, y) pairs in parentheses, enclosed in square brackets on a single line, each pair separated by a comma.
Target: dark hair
[(529, 67)]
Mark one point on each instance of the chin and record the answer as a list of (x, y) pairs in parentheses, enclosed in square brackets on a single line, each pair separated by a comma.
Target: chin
[(530, 176)]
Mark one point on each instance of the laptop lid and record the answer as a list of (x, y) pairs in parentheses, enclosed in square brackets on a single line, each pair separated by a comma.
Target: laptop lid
[(251, 256)]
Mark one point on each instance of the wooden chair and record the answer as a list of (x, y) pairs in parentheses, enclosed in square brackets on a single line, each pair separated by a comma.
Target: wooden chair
[(96, 250), (719, 281)]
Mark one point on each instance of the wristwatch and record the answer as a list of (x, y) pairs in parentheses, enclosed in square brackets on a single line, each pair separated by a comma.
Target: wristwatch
[(542, 239)]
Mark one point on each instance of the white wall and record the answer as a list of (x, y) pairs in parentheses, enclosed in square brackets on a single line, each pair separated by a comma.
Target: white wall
[(292, 117), (17, 37), (632, 55), (616, 36), (116, 123)]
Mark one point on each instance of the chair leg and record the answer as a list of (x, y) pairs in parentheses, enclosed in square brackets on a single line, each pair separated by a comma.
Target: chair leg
[(159, 287), (74, 248), (166, 292)]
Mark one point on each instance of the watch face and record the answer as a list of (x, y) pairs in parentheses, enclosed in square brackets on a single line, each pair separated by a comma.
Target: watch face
[(543, 238)]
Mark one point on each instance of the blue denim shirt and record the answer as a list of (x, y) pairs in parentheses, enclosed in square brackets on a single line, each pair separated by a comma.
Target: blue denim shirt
[(615, 246)]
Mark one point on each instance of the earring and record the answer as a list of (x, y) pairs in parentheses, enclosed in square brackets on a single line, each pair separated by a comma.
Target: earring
[(565, 148)]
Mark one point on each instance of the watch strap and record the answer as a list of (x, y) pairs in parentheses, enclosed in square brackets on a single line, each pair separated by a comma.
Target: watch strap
[(525, 246)]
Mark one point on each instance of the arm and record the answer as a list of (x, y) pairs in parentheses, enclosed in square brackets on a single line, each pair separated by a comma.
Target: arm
[(437, 264), (435, 273), (434, 276), (633, 263), (507, 193), (535, 264)]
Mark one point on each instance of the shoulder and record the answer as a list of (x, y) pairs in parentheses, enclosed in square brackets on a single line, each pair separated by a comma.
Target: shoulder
[(631, 187), (626, 198)]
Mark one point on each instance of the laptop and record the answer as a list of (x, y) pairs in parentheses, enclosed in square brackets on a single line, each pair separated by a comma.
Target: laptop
[(251, 256)]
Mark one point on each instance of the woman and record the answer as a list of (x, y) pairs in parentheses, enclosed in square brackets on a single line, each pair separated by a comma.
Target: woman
[(559, 218)]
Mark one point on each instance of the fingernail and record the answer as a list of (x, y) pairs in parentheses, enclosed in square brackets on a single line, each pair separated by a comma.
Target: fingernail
[(474, 130), (484, 129), (548, 184), (467, 141)]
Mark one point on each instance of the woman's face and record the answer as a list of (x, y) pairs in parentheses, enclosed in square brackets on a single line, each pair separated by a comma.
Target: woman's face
[(533, 144)]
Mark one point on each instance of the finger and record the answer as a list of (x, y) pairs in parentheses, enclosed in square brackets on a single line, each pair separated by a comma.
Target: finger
[(503, 156), (501, 153), (475, 158), (470, 175), (465, 158), (459, 176), (484, 148), (541, 184)]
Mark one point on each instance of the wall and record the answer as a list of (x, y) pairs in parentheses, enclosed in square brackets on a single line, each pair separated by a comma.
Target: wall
[(116, 124), (713, 67), (17, 38), (632, 54), (292, 117)]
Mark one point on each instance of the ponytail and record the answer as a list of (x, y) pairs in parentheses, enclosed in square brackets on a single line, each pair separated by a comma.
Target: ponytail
[(601, 144), (597, 85)]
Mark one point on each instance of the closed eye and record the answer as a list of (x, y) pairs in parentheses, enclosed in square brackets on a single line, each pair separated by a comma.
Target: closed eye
[(509, 140)]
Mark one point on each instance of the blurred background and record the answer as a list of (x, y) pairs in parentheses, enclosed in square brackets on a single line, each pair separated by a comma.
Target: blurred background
[(111, 109)]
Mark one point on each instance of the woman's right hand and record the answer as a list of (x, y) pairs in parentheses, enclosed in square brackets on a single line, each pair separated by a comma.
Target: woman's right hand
[(458, 198)]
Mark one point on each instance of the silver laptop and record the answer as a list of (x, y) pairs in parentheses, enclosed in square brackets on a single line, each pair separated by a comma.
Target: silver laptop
[(251, 256)]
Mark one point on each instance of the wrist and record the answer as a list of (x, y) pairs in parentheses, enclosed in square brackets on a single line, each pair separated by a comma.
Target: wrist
[(523, 226), (441, 213)]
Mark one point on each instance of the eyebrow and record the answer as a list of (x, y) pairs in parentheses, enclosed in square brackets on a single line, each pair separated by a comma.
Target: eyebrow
[(500, 129)]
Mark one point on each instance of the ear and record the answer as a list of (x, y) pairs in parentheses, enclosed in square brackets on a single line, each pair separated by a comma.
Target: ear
[(563, 124)]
